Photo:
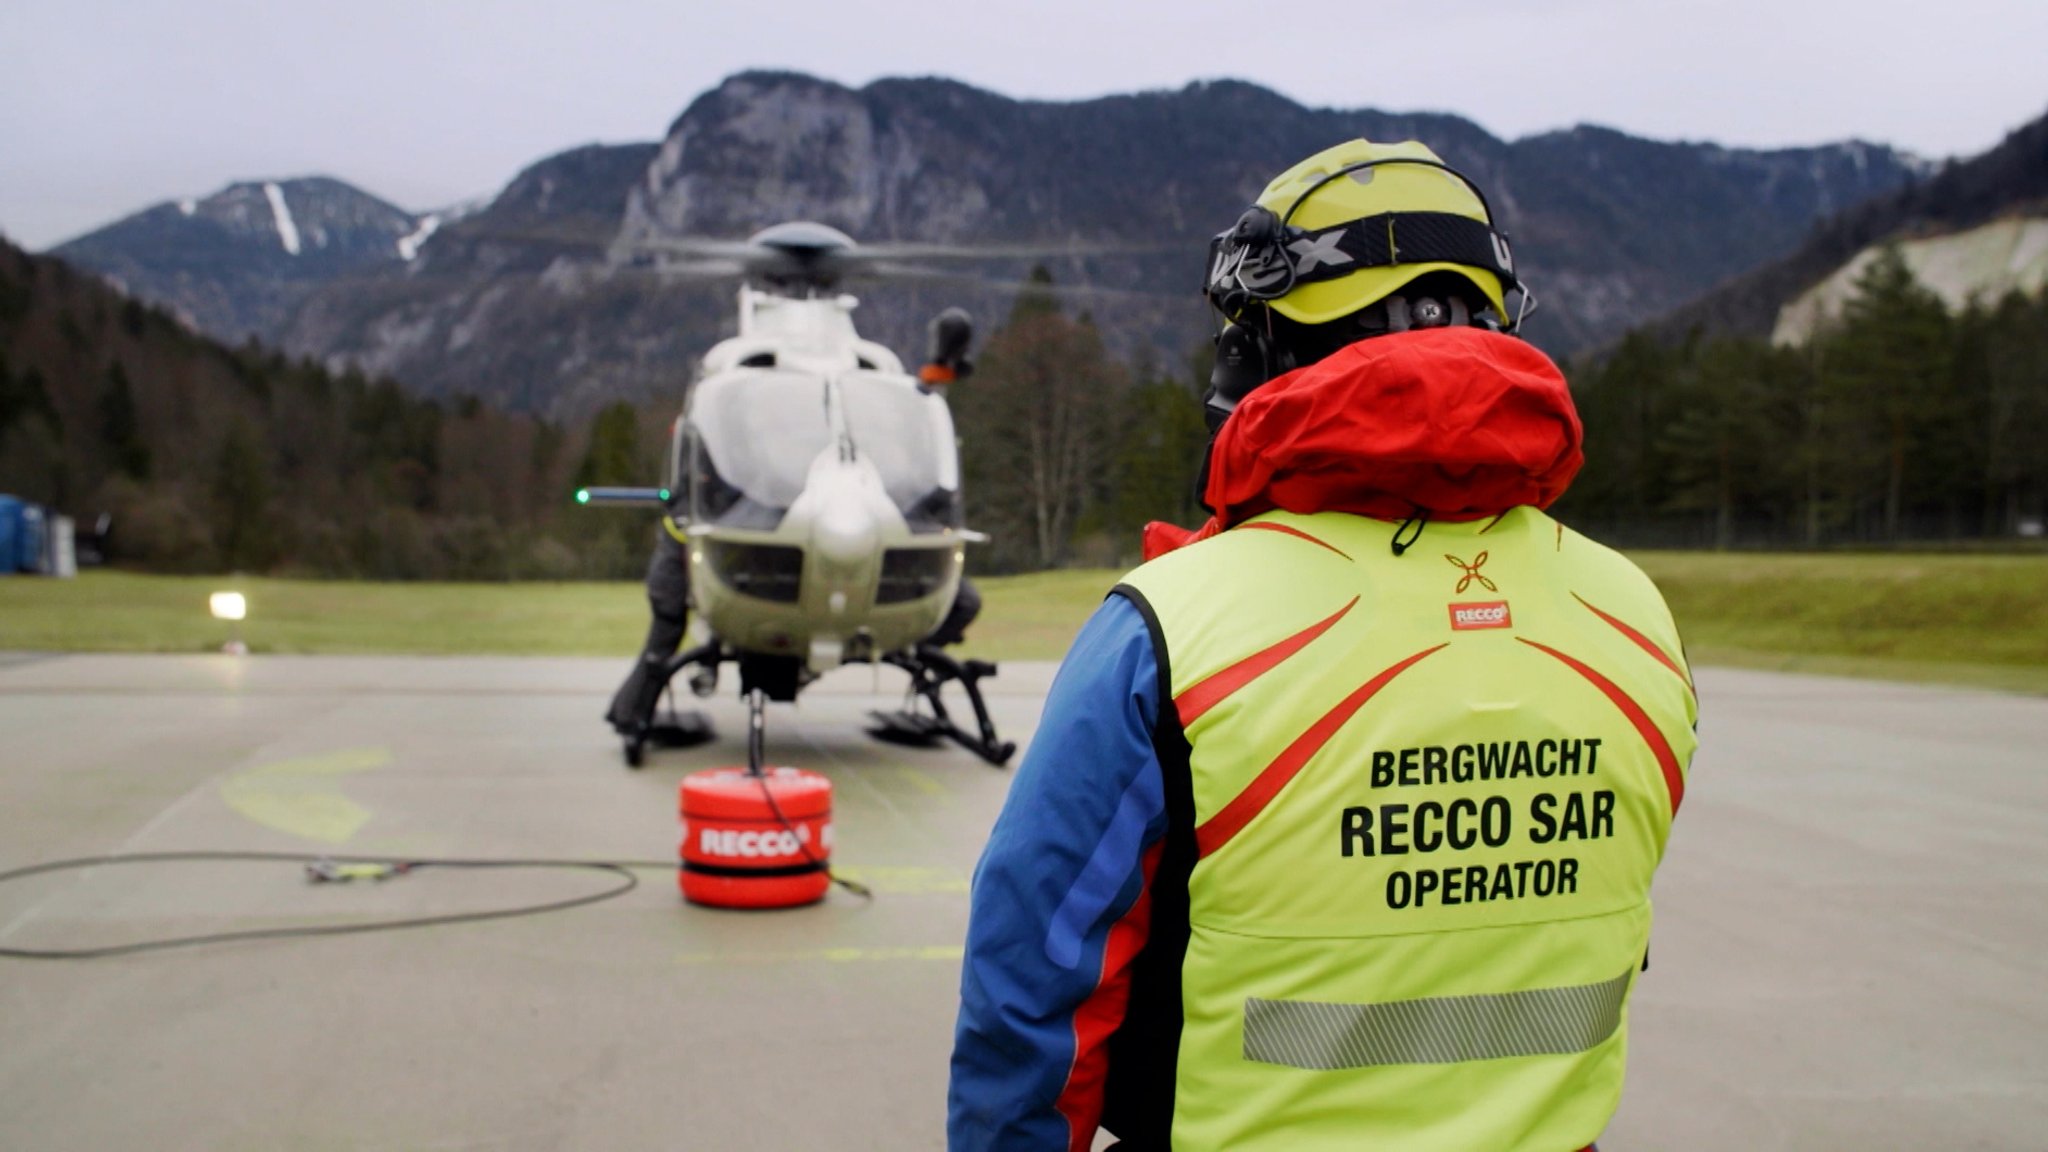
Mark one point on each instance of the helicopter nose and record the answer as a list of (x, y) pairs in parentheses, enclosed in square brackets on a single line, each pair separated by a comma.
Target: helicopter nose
[(847, 535)]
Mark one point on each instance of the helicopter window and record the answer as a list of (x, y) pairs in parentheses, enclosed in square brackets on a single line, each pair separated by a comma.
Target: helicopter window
[(913, 573), (767, 571), (761, 432), (710, 495), (905, 433), (759, 360), (939, 510)]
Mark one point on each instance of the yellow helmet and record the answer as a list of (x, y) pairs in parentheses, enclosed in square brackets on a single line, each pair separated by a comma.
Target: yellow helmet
[(1351, 226)]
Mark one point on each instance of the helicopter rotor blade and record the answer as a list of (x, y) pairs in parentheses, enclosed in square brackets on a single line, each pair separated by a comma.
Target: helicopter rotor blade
[(889, 271), (914, 250), (805, 252), (695, 270), (893, 250), (699, 247)]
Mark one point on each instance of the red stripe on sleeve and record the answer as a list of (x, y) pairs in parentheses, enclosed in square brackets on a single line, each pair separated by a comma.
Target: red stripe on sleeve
[(1102, 1012), (1218, 829), (1212, 690), (1269, 526), (1642, 641), (1674, 778)]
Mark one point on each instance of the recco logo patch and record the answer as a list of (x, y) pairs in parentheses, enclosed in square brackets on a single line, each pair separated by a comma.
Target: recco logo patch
[(1485, 614)]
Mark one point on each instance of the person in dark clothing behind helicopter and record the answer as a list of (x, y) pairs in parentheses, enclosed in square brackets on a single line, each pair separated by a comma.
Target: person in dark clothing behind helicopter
[(951, 332), (668, 570)]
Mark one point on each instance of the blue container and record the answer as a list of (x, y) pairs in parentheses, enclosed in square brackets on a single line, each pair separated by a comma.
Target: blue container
[(10, 533), (28, 539)]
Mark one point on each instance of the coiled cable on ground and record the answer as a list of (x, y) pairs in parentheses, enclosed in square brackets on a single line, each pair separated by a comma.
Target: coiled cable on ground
[(393, 866)]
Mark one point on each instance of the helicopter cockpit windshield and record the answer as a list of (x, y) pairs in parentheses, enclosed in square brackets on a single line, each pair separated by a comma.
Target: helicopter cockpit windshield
[(908, 435), (750, 440)]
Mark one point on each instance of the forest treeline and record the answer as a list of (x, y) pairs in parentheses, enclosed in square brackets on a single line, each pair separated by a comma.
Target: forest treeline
[(1902, 422), (1899, 422), (210, 458)]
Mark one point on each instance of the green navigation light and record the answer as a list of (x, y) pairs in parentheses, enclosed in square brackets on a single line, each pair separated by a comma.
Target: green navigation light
[(664, 495), (583, 495)]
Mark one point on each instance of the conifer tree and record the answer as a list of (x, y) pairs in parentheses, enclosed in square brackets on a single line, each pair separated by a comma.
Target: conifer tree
[(1160, 453), (243, 529), (119, 426), (1729, 443), (1888, 367)]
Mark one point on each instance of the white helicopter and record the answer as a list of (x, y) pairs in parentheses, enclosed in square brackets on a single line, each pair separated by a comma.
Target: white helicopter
[(814, 487)]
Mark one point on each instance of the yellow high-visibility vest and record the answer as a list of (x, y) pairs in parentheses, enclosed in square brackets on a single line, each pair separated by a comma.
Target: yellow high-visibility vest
[(1429, 795)]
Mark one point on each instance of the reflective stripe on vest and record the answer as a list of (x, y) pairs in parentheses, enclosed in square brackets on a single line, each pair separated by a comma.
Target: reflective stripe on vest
[(1429, 794), (1443, 1030)]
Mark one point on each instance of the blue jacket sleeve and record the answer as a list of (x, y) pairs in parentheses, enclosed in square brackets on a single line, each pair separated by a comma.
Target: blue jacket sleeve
[(1063, 866)]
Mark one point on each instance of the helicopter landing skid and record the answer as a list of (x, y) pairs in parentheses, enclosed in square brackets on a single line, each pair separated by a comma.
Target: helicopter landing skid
[(672, 729), (930, 669), (668, 729), (906, 727)]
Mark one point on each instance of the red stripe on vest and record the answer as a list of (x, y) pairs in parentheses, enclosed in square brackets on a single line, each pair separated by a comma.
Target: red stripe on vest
[(1212, 690), (1674, 779), (1269, 526), (1102, 1012), (1218, 830), (1642, 641)]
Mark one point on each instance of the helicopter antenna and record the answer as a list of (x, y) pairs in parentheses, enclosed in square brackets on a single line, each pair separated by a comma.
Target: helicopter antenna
[(747, 297)]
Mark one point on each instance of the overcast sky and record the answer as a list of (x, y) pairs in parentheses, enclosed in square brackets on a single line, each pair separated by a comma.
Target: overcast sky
[(107, 107)]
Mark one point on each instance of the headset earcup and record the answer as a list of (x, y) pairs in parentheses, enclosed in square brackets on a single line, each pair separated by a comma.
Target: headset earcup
[(1242, 364)]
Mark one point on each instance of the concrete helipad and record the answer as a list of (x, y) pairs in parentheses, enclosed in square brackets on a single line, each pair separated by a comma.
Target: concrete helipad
[(1851, 951)]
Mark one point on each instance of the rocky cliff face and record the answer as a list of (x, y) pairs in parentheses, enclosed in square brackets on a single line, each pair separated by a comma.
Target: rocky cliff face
[(1618, 229), (549, 298), (237, 263), (518, 303)]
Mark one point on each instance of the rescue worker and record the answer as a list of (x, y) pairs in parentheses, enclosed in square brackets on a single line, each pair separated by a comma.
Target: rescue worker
[(1339, 826), (949, 335), (631, 711)]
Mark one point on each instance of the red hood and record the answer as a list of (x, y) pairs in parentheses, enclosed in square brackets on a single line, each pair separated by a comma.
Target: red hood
[(1458, 422)]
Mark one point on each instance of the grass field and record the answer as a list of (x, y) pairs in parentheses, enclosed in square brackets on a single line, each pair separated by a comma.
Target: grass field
[(1969, 619)]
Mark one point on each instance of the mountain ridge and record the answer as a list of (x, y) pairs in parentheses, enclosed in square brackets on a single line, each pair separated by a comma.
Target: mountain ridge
[(2010, 178), (542, 305), (235, 263)]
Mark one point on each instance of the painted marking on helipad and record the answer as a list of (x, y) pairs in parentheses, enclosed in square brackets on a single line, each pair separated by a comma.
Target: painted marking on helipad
[(920, 780), (940, 952), (904, 881), (292, 796)]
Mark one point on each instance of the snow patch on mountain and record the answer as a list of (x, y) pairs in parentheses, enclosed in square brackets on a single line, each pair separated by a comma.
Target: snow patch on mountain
[(409, 246), (287, 231)]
